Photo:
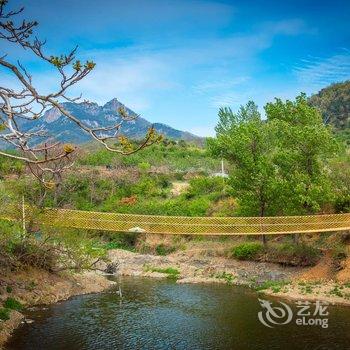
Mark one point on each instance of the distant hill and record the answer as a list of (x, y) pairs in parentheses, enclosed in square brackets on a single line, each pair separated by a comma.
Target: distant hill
[(334, 103), (94, 115)]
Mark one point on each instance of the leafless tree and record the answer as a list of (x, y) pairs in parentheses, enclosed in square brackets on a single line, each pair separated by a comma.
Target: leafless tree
[(28, 104)]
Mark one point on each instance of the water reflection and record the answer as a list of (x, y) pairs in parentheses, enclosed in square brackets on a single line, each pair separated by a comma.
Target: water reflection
[(158, 314)]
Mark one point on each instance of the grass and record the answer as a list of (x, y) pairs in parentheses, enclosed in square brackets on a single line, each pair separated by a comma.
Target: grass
[(308, 289), (172, 272), (228, 277), (118, 245), (9, 304), (275, 286), (31, 286), (335, 291)]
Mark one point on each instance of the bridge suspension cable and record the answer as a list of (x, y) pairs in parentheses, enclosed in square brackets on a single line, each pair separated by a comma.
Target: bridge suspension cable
[(178, 225)]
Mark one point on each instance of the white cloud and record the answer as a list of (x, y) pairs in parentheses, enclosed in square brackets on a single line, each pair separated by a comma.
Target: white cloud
[(316, 72), (228, 99), (212, 85), (130, 80), (141, 76), (136, 75)]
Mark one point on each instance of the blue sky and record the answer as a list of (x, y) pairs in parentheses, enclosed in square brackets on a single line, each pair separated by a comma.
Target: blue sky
[(178, 61)]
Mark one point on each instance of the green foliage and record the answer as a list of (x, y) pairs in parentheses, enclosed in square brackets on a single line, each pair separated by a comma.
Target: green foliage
[(124, 241), (77, 248), (228, 277), (144, 166), (336, 291), (334, 104), (160, 206), (205, 186), (339, 168), (163, 250), (285, 253), (50, 250), (342, 204), (275, 286), (176, 158), (247, 251), (293, 254), (29, 252), (10, 166), (9, 231), (246, 141), (339, 253), (172, 272), (303, 147), (279, 166), (13, 304), (116, 245), (4, 314)]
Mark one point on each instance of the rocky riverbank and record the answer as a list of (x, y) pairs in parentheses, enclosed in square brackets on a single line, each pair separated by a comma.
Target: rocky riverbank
[(313, 283), (37, 287)]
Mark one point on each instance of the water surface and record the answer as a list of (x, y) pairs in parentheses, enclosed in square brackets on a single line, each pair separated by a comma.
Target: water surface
[(160, 314)]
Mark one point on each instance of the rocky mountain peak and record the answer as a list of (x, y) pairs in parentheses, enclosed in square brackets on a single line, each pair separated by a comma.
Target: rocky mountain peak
[(95, 115)]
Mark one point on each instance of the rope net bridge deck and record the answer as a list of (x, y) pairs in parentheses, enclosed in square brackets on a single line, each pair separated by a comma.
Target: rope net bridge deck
[(66, 218)]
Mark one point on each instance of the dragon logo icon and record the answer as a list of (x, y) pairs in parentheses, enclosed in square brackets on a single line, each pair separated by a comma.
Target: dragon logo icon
[(274, 315)]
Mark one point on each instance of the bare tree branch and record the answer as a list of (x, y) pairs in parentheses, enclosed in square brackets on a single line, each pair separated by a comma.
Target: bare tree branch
[(26, 105)]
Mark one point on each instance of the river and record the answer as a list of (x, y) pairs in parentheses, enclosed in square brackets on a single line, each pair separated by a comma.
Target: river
[(160, 314)]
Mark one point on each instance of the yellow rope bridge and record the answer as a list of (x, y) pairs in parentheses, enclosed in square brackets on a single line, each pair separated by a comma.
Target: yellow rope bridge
[(116, 222)]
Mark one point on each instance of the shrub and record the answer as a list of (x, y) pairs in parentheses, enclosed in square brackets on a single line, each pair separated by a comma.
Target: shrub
[(143, 166), (205, 185), (4, 314), (162, 249), (31, 253), (122, 241), (293, 254), (247, 251), (342, 204), (13, 304), (338, 255)]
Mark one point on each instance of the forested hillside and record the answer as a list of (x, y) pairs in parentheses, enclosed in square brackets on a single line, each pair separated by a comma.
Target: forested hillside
[(334, 104)]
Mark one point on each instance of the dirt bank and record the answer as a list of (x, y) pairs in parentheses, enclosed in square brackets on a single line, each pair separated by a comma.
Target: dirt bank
[(282, 281), (35, 287)]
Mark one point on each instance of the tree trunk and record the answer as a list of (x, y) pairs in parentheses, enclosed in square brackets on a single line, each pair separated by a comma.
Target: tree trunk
[(296, 238), (262, 213)]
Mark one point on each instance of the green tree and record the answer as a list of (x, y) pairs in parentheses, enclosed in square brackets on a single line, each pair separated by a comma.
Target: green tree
[(304, 146), (247, 142)]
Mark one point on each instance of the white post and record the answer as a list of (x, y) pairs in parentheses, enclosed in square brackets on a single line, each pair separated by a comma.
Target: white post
[(222, 167), (23, 217)]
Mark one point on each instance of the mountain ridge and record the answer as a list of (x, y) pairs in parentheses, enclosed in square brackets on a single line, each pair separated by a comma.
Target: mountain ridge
[(333, 101), (94, 115)]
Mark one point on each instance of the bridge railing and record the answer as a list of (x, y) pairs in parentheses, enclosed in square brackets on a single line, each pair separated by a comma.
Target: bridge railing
[(118, 222)]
